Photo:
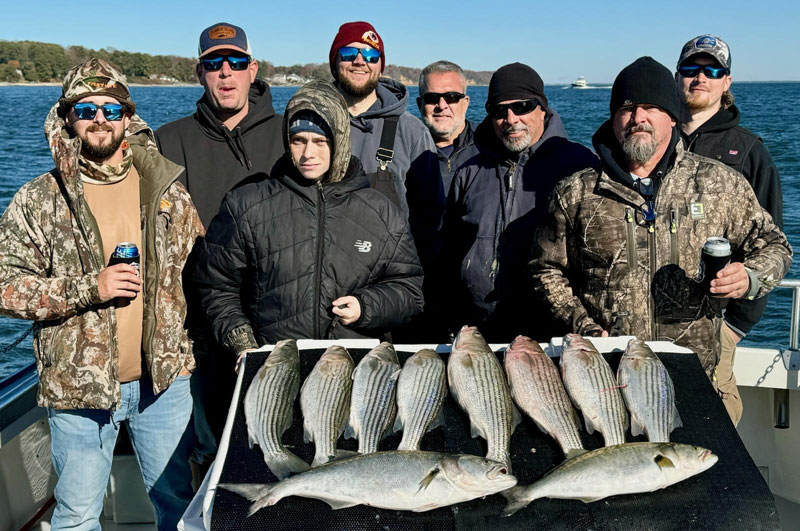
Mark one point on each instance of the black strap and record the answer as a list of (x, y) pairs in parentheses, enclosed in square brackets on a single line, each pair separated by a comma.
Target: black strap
[(381, 179)]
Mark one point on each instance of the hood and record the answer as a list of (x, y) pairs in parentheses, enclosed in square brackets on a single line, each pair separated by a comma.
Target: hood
[(392, 101), (260, 109), (723, 120), (324, 99), (486, 138)]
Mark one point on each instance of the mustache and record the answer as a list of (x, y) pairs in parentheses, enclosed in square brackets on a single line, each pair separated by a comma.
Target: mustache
[(97, 128), (641, 128), (516, 128)]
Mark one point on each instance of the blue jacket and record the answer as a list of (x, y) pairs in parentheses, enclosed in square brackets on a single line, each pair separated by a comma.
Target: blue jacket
[(494, 206)]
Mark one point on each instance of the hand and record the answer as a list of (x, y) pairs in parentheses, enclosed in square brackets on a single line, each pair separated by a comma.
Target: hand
[(240, 357), (732, 282), (120, 280), (348, 309)]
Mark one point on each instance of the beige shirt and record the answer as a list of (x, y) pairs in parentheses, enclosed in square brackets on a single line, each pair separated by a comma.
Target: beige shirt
[(116, 209)]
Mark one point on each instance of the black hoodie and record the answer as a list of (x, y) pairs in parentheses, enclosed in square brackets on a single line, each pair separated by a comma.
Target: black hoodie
[(217, 159)]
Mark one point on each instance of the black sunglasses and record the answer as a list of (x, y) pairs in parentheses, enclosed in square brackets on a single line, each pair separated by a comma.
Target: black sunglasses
[(236, 62), (711, 72), (499, 111), (432, 98)]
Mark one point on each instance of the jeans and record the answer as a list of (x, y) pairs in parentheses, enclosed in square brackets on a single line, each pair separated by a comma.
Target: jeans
[(83, 443)]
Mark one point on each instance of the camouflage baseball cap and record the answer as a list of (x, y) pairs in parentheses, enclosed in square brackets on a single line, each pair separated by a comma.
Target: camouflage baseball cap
[(96, 77), (708, 44)]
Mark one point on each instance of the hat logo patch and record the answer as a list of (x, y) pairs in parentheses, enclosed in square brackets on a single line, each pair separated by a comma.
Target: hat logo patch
[(101, 83), (222, 32), (371, 38), (706, 41)]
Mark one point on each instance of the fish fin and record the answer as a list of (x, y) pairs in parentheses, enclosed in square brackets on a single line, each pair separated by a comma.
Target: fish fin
[(589, 425), (427, 507), (664, 462), (395, 375), (428, 478), (398, 424), (475, 431), (285, 464), (339, 454), (308, 435), (439, 420), (590, 500), (676, 419), (350, 431), (516, 418), (516, 498), (261, 494), (636, 428), (575, 452), (340, 504)]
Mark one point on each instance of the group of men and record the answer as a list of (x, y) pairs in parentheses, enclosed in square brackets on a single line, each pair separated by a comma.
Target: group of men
[(519, 230)]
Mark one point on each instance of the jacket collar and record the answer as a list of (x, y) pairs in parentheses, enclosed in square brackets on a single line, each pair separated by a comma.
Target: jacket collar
[(723, 120)]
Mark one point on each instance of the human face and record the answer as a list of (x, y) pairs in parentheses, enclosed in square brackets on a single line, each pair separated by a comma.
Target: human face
[(643, 131), (701, 92), (519, 132), (445, 121), (101, 139), (227, 90), (311, 154), (358, 78)]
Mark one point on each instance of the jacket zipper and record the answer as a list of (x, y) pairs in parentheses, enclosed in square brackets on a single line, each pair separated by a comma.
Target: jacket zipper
[(673, 237), (318, 264), (651, 237), (631, 237)]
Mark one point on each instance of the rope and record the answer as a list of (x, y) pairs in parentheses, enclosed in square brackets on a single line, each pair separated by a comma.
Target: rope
[(17, 341)]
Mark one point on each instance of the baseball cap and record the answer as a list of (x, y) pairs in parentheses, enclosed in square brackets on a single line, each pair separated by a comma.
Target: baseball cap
[(96, 77), (223, 36), (708, 44)]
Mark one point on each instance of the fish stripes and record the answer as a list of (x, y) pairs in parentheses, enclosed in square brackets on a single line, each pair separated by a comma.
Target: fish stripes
[(421, 389)]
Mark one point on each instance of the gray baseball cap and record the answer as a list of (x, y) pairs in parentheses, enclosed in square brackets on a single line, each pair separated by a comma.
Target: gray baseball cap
[(708, 44)]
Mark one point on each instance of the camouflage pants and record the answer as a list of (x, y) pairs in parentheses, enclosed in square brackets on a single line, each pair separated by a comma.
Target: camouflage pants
[(724, 380)]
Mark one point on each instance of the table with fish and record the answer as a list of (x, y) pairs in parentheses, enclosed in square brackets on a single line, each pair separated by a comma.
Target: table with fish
[(465, 456)]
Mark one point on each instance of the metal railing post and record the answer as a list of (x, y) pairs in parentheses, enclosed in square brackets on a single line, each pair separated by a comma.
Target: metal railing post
[(780, 397)]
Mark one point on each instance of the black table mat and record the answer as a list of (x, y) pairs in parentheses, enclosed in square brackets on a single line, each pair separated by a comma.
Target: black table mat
[(730, 495)]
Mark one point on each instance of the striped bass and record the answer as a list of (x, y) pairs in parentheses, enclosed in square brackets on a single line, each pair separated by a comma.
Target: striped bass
[(593, 389), (477, 383), (421, 389), (622, 469), (537, 389), (404, 481), (325, 402), (268, 408), (372, 401), (648, 392)]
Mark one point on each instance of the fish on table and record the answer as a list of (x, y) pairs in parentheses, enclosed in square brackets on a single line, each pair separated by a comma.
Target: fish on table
[(591, 385), (325, 403), (612, 470), (421, 389), (537, 390), (269, 405), (400, 480), (648, 392), (479, 386)]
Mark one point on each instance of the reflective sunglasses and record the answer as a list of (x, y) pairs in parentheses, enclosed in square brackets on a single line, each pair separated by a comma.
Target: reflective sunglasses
[(519, 108), (87, 111), (711, 72), (432, 98), (349, 54), (236, 62)]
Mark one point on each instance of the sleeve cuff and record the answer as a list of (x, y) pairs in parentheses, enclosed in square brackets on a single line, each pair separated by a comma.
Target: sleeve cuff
[(83, 291), (755, 285), (240, 338)]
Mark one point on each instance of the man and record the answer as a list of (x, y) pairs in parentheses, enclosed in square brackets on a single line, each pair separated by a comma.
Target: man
[(109, 343), (497, 199), (621, 247), (394, 147), (710, 127)]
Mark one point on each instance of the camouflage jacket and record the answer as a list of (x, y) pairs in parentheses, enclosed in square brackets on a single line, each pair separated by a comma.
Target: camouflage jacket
[(50, 257), (595, 231)]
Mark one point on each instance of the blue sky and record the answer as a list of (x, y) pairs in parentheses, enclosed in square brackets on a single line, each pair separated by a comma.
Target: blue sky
[(561, 40)]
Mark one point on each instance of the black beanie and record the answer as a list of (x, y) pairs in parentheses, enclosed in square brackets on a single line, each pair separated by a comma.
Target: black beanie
[(645, 81), (516, 82)]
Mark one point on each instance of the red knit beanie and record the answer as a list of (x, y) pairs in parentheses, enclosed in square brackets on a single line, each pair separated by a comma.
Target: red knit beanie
[(356, 32)]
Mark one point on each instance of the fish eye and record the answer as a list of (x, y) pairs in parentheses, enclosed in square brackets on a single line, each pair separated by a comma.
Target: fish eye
[(503, 471)]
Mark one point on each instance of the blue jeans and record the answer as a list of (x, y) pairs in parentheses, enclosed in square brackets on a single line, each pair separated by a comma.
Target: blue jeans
[(83, 446)]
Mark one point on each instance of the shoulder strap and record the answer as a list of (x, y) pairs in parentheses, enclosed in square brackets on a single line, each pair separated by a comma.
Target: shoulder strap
[(385, 151)]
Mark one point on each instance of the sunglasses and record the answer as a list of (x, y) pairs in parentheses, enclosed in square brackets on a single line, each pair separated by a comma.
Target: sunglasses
[(349, 54), (499, 111), (236, 62), (432, 98), (711, 72), (87, 111)]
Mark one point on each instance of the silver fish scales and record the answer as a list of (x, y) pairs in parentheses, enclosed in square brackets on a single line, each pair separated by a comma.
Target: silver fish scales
[(537, 389), (372, 401), (593, 389), (269, 405), (325, 402), (421, 389), (648, 392), (477, 383)]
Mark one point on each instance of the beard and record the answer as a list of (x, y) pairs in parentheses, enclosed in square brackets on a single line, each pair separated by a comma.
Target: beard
[(516, 145), (100, 152), (359, 91), (699, 101), (445, 133), (639, 150)]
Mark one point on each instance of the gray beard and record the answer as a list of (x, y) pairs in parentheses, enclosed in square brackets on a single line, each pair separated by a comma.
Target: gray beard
[(444, 134), (638, 152), (517, 145)]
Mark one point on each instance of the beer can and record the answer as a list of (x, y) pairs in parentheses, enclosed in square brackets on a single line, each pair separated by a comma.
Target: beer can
[(715, 256), (126, 253)]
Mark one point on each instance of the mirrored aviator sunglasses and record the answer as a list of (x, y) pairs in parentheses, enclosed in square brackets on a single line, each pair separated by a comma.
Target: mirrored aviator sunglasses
[(236, 62), (432, 98), (711, 72), (349, 54), (499, 111), (113, 112)]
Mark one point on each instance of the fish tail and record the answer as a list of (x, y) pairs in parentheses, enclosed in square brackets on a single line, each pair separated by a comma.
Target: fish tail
[(285, 464), (261, 494), (517, 498), (575, 452)]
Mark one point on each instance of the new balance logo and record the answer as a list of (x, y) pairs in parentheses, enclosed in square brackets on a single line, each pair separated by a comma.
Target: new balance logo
[(363, 246)]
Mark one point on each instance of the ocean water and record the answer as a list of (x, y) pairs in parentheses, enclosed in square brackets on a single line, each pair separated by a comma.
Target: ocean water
[(769, 109)]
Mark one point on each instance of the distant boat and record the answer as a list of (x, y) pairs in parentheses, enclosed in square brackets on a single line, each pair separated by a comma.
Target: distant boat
[(579, 83)]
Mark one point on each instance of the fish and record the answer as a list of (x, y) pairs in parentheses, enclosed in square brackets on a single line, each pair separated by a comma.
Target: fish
[(421, 389), (593, 389), (537, 389), (372, 401), (325, 403), (269, 405), (477, 383), (648, 392), (629, 468), (398, 480)]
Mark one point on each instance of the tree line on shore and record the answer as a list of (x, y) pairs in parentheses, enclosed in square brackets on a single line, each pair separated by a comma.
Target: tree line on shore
[(41, 62)]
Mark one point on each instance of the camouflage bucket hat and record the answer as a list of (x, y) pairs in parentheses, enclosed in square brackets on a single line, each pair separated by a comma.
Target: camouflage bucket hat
[(95, 77)]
